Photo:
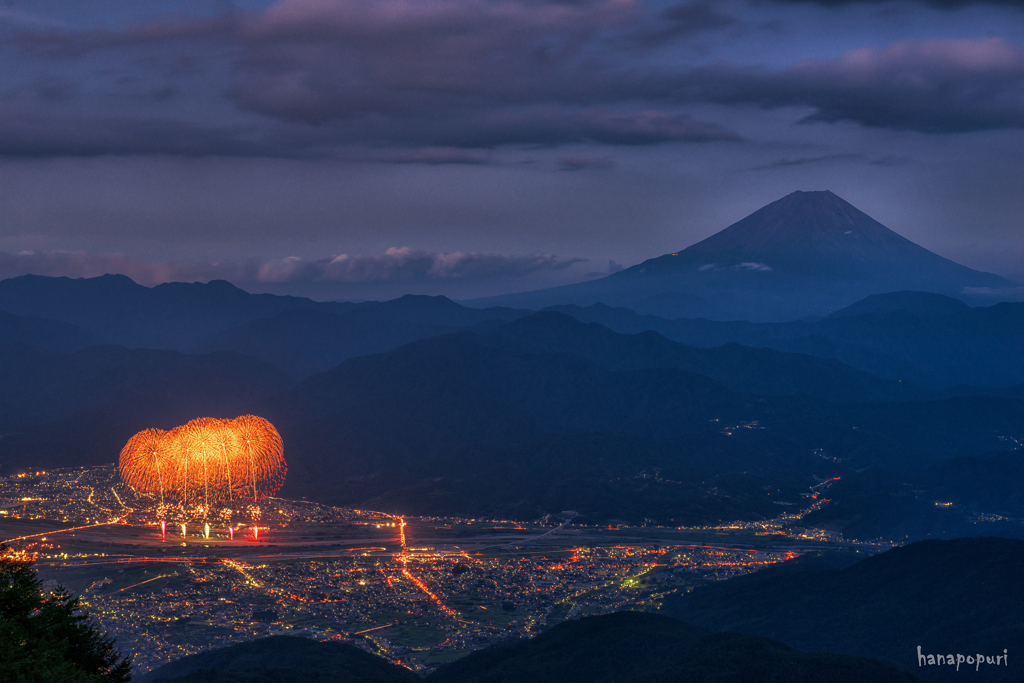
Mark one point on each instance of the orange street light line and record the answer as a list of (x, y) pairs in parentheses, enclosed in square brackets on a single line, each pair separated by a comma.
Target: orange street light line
[(162, 576), (60, 531)]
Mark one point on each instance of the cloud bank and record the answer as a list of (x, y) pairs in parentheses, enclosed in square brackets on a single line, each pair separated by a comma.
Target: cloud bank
[(397, 264), (308, 78), (938, 4), (305, 77), (937, 86)]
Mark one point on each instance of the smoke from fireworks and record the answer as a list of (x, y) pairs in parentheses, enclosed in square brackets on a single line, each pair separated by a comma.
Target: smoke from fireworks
[(207, 463)]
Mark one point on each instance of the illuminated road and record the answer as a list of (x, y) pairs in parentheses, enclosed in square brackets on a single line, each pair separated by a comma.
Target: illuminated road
[(54, 532)]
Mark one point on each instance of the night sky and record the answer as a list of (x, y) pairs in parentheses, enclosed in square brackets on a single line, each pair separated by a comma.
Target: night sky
[(368, 148)]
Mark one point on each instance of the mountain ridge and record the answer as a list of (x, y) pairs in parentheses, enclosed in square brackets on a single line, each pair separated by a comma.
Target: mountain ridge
[(173, 315), (959, 596), (626, 647), (900, 341), (765, 372)]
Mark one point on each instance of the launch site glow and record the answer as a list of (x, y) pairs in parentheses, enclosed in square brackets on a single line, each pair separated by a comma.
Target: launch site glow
[(206, 468)]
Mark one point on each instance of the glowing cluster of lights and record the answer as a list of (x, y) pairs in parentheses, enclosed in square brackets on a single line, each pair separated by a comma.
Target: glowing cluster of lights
[(207, 464)]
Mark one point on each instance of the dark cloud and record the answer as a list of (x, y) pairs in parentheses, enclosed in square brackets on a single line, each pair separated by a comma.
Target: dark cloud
[(801, 161), (174, 28), (456, 73), (441, 155), (939, 4), (551, 125), (888, 160), (441, 82), (454, 140), (934, 86), (398, 264), (446, 74), (579, 163), (687, 18), (542, 124), (86, 136)]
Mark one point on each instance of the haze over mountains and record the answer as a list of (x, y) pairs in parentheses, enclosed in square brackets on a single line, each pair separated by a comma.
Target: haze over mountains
[(456, 423), (535, 415), (927, 339), (809, 253)]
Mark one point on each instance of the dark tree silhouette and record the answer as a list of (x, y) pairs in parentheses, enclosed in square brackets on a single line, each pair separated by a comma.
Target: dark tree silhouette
[(46, 636)]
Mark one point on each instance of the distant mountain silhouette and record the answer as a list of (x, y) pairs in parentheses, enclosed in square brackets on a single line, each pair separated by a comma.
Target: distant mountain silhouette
[(635, 647), (300, 336), (307, 341), (282, 659), (175, 315), (545, 413), (809, 253), (917, 337), (919, 303), (451, 424), (741, 368), (44, 334), (458, 382), (461, 424), (537, 415), (961, 596)]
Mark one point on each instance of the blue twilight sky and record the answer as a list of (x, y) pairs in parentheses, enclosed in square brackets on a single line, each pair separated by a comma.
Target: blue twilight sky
[(367, 148)]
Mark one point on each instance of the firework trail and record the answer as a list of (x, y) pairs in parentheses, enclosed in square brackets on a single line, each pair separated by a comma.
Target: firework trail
[(207, 464)]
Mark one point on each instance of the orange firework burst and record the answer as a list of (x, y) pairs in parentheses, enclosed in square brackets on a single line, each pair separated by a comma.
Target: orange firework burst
[(207, 463)]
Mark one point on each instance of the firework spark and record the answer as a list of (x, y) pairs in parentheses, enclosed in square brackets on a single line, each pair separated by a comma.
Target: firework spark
[(207, 464)]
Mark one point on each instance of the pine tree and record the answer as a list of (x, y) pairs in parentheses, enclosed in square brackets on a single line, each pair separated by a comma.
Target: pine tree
[(46, 637)]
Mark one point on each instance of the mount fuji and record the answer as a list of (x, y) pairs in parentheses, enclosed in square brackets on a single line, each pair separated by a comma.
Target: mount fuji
[(807, 254)]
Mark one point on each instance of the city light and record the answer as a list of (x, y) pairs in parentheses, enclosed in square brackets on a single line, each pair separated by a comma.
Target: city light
[(339, 573)]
